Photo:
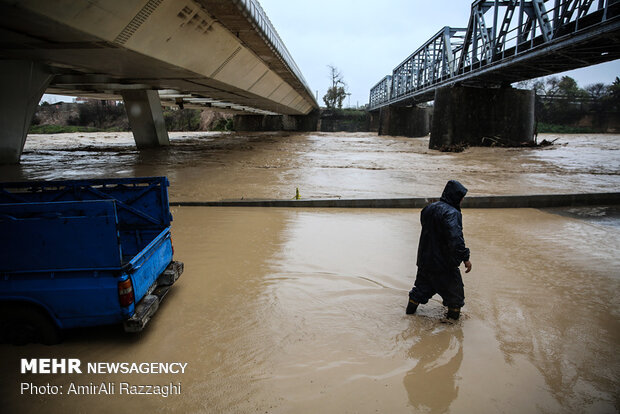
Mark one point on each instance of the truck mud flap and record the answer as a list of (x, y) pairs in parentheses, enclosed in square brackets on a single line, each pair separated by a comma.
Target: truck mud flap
[(150, 302)]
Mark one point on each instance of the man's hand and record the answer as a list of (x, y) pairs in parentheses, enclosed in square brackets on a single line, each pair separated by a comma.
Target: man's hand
[(467, 264)]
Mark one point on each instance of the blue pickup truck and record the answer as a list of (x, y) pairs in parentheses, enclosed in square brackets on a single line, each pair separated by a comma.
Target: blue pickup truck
[(83, 253)]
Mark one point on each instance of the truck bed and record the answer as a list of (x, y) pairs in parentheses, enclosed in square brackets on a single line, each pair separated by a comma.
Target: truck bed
[(66, 245)]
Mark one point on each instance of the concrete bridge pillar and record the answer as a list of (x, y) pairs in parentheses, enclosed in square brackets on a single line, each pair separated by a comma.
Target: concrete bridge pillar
[(482, 116), (146, 118), (23, 84), (410, 121), (254, 123), (249, 123), (374, 120), (308, 123)]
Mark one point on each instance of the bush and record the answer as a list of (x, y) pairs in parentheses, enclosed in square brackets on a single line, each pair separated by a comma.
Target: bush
[(182, 119), (101, 114), (60, 129), (223, 125), (544, 127)]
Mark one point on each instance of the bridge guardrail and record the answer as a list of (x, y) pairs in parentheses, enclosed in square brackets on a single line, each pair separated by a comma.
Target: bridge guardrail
[(254, 10)]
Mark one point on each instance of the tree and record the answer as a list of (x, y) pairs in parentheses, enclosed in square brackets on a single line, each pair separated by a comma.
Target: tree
[(568, 88), (597, 90), (561, 101), (338, 91), (612, 97), (538, 85), (186, 119), (564, 103), (100, 114), (550, 87)]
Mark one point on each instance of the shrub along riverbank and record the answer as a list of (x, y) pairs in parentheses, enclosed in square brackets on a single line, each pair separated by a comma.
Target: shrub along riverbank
[(545, 128), (109, 116)]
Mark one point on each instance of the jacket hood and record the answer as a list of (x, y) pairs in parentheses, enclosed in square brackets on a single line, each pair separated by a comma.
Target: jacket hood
[(453, 193)]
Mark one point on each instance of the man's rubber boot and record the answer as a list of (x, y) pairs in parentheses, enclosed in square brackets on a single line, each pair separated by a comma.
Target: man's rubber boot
[(412, 306), (453, 313)]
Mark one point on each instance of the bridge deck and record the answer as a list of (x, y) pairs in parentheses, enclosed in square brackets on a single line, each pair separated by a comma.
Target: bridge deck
[(207, 53)]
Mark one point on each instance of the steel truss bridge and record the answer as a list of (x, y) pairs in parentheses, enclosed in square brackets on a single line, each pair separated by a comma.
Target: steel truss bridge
[(506, 41)]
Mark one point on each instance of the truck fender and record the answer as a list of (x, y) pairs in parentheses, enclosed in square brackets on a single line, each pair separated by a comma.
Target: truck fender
[(23, 321)]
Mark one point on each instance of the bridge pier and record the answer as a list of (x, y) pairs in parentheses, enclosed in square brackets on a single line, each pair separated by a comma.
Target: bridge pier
[(146, 118), (482, 116), (404, 121), (23, 84), (252, 123)]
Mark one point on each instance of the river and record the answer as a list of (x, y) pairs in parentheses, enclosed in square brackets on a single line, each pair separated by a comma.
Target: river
[(303, 310), (211, 166)]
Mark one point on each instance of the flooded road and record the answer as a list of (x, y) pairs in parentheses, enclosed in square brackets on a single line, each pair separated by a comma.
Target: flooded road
[(303, 310)]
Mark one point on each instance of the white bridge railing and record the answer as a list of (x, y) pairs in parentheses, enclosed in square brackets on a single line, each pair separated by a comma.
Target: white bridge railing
[(253, 10)]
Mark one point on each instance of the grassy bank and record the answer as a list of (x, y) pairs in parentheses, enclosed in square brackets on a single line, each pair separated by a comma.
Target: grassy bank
[(545, 128), (64, 129), (351, 120)]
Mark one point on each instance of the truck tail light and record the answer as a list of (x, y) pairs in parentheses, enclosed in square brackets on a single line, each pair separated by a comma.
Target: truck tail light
[(125, 292)]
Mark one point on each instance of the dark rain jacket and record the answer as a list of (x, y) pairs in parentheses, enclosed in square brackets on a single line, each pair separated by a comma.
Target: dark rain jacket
[(442, 246)]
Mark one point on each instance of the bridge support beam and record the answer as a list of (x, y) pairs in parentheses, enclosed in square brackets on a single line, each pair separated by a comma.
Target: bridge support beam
[(409, 121), (23, 84), (482, 116), (146, 118)]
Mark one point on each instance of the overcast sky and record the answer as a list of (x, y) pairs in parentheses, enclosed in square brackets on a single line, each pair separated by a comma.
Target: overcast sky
[(367, 39)]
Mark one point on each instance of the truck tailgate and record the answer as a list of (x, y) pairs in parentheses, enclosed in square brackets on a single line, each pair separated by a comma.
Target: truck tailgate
[(146, 266)]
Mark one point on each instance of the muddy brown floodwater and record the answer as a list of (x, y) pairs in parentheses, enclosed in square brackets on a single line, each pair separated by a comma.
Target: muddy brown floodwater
[(303, 310), (211, 166)]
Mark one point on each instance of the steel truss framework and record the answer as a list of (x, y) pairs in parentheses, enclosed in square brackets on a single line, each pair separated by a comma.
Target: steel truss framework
[(506, 41)]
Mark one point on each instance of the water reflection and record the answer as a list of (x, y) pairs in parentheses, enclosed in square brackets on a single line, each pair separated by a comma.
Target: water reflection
[(554, 302), (432, 383)]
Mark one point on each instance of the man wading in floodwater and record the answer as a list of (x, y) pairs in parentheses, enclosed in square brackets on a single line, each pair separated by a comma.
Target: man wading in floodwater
[(440, 252)]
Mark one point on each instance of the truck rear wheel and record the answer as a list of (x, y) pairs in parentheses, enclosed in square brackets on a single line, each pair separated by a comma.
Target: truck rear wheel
[(21, 324)]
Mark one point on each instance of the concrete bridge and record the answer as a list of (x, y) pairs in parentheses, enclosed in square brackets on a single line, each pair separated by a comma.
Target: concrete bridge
[(468, 71), (193, 53)]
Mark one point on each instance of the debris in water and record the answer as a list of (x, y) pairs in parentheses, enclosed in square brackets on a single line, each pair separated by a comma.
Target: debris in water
[(454, 147), (497, 141)]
